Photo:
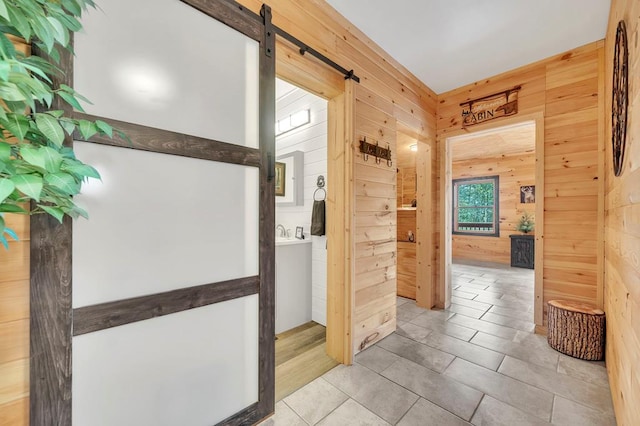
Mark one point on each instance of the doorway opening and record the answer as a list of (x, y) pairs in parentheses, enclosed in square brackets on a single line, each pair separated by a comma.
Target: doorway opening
[(407, 199), (492, 253), (301, 240), (415, 258)]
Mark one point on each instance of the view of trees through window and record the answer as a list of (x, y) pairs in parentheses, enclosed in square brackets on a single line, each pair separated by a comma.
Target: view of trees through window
[(475, 202)]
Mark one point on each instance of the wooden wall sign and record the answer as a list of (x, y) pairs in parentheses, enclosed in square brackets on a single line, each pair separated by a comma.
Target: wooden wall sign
[(498, 105)]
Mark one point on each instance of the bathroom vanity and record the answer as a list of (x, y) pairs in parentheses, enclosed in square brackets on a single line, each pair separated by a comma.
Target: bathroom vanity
[(293, 283)]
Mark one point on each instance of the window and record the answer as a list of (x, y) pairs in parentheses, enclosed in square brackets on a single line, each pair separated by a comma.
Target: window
[(475, 206)]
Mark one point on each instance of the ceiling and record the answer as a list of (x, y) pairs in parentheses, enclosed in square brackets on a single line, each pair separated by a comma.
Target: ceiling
[(406, 157), (283, 88), (450, 43), (513, 140)]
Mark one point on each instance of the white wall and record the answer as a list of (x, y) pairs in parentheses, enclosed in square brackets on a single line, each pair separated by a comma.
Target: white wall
[(312, 140)]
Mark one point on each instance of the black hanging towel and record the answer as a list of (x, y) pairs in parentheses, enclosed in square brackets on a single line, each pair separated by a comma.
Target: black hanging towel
[(317, 218)]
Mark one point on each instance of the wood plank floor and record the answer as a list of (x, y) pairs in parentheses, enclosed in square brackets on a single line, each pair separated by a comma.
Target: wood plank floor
[(300, 358)]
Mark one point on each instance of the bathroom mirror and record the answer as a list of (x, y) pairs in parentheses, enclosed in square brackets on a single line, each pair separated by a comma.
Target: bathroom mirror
[(293, 173)]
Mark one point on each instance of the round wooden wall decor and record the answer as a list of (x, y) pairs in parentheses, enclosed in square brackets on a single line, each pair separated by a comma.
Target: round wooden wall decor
[(619, 98)]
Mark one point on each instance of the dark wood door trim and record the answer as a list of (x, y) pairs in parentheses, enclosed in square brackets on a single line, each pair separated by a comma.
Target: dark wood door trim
[(167, 142), (50, 322), (232, 14), (120, 312), (266, 360)]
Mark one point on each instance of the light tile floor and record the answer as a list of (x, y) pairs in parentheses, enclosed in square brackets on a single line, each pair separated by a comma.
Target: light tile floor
[(476, 363)]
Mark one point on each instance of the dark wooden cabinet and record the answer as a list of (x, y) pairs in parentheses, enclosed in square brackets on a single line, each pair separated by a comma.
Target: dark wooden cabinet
[(523, 251)]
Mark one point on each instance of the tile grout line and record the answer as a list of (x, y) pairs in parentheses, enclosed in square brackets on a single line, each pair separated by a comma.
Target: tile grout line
[(553, 407), (554, 394), (407, 412), (477, 406), (340, 405), (293, 410)]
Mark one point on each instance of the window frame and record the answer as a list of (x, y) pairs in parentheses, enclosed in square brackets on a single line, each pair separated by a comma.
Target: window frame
[(455, 183)]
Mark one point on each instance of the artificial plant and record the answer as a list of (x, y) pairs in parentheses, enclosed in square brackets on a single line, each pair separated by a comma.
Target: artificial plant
[(526, 223), (35, 165)]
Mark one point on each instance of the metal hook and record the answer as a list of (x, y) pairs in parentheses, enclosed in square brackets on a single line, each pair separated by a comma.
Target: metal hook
[(363, 143)]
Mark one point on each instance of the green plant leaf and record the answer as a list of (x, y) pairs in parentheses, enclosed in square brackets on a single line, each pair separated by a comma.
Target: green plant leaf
[(15, 107), (3, 10), (20, 22), (5, 151), (80, 211), (53, 211), (45, 32), (71, 100), (17, 124), (6, 47), (87, 128), (70, 22), (61, 35), (36, 70), (10, 91), (68, 125), (12, 208), (52, 159), (32, 155), (55, 55), (6, 188), (4, 69), (83, 170), (10, 232), (40, 63), (29, 185), (50, 128), (63, 182), (70, 90), (72, 7), (67, 152), (56, 113), (105, 128)]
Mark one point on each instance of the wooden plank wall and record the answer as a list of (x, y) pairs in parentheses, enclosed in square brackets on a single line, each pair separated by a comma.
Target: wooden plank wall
[(375, 225), (407, 269), (406, 186), (514, 171), (387, 94), (406, 273), (622, 231), (566, 89), (14, 320)]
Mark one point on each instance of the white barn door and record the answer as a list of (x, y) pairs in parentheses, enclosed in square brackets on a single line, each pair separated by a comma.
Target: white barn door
[(171, 289)]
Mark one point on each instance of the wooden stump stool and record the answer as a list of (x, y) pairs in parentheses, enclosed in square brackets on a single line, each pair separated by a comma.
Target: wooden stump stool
[(576, 329)]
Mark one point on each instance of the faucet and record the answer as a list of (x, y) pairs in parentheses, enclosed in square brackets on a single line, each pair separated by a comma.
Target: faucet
[(282, 230)]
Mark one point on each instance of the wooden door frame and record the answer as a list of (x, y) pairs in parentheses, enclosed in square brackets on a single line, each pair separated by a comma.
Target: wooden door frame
[(425, 294), (317, 78), (54, 322), (444, 285)]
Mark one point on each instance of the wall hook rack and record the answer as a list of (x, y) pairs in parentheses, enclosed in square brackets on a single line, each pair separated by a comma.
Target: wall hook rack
[(376, 150)]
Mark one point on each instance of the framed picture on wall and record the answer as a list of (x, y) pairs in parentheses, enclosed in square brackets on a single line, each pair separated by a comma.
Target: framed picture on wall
[(280, 178), (528, 194)]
